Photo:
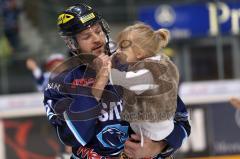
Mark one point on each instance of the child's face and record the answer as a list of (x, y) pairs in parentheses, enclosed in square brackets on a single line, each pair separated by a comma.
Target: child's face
[(127, 48)]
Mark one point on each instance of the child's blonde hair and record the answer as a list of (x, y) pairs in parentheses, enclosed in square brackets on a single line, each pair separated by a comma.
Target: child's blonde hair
[(142, 35)]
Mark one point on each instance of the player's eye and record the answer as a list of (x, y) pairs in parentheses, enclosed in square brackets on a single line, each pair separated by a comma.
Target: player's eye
[(85, 37), (98, 31)]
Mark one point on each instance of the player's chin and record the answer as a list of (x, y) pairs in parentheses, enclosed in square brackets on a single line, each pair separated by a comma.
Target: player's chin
[(98, 51)]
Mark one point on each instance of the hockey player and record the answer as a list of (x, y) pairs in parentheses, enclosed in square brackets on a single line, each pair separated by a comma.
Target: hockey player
[(105, 135)]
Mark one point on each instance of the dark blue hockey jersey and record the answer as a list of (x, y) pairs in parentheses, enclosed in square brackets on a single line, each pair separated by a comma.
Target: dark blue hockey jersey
[(94, 127)]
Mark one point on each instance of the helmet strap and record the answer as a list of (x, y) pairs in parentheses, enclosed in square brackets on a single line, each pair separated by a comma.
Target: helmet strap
[(105, 29)]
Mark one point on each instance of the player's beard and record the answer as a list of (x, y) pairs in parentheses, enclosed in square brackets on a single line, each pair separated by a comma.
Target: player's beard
[(99, 50)]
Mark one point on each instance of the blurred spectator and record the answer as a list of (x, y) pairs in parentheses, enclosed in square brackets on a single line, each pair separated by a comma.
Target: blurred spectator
[(5, 47), (10, 16), (235, 102), (40, 76)]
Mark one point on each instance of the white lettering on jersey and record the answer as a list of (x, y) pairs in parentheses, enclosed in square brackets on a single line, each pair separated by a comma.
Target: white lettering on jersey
[(115, 109), (53, 86), (104, 116)]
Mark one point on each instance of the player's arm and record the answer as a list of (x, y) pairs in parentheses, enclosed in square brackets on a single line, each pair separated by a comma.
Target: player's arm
[(181, 131), (163, 148), (103, 66), (60, 109)]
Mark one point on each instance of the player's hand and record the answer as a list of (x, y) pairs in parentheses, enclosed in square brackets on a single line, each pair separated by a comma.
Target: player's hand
[(102, 65), (150, 148), (31, 64)]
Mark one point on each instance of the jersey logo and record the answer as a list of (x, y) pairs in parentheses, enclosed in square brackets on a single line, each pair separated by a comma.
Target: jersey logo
[(86, 18), (64, 18), (113, 136), (83, 82)]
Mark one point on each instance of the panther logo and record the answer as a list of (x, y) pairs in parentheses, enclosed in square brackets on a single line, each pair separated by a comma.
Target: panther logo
[(112, 137), (117, 136)]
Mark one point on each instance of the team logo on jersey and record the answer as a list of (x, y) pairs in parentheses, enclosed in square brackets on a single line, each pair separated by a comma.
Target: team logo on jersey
[(64, 18), (86, 153), (113, 136), (83, 82)]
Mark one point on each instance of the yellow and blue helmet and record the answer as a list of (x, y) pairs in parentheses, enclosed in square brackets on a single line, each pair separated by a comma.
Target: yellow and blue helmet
[(76, 19)]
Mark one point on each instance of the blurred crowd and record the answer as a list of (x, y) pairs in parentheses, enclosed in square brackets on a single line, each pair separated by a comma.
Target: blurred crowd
[(10, 12)]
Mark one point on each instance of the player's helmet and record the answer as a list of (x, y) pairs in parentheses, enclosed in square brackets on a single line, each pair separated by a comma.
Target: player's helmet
[(76, 19)]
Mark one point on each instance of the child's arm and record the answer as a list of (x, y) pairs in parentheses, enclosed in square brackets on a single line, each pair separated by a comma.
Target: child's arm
[(138, 81)]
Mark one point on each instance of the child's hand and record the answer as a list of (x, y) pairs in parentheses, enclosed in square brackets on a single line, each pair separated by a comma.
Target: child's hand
[(121, 57), (119, 61)]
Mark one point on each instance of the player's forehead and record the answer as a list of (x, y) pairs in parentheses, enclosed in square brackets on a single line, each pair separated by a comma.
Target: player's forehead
[(96, 26)]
